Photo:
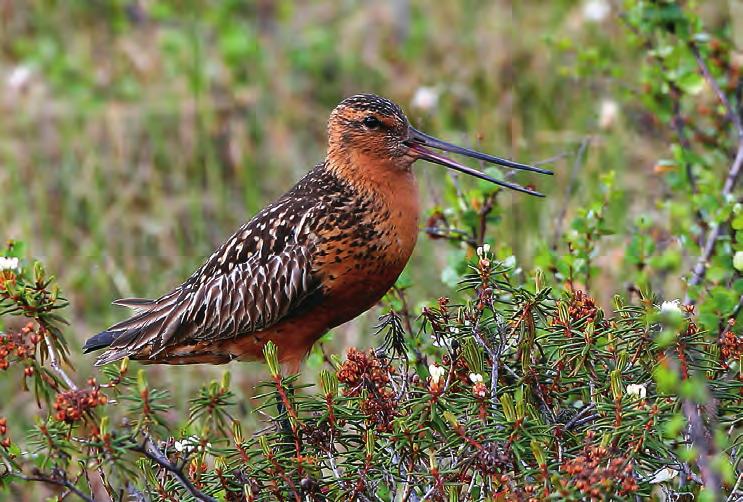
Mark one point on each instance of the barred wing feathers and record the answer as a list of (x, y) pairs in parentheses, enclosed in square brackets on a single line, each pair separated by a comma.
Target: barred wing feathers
[(255, 279)]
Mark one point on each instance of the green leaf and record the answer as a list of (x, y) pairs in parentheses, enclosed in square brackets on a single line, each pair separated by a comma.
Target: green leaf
[(691, 83)]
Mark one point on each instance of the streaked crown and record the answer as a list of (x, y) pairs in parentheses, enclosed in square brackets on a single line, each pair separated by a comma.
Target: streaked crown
[(369, 125)]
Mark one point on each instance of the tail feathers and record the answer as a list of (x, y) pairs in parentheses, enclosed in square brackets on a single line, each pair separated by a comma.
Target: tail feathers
[(132, 341), (114, 354), (136, 303), (140, 335), (100, 341), (116, 345), (106, 338)]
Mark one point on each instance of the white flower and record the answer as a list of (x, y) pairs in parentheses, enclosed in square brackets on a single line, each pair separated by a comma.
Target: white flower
[(453, 330), (189, 444), (608, 113), (425, 98), (475, 378), (437, 372), (18, 77), (8, 263), (440, 341), (637, 390), (673, 306), (664, 474), (596, 10)]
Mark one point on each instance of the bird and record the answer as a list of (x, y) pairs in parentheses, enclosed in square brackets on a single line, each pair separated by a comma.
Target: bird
[(320, 255)]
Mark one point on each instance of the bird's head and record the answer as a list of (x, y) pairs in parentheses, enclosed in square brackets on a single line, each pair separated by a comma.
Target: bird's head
[(366, 131)]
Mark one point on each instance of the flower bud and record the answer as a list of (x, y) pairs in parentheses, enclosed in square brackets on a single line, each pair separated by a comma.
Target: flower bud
[(225, 384), (329, 383), (506, 403), (270, 352)]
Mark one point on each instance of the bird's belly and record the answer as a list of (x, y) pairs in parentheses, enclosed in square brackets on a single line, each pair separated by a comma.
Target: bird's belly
[(357, 289), (356, 271)]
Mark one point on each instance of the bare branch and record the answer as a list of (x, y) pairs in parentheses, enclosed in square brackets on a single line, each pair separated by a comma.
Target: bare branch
[(733, 315), (55, 480), (134, 494), (734, 492), (700, 269), (54, 363), (699, 437), (733, 117), (493, 354), (580, 418), (149, 450)]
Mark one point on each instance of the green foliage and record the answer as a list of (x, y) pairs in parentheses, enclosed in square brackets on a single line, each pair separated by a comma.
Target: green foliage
[(528, 394)]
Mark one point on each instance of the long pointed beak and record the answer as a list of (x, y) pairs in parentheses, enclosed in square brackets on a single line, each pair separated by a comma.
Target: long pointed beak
[(420, 143)]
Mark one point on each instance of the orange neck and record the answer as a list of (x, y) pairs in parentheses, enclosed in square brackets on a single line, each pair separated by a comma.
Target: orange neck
[(390, 182), (369, 173)]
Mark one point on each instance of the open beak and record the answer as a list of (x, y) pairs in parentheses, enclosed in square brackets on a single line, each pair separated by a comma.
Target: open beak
[(420, 143)]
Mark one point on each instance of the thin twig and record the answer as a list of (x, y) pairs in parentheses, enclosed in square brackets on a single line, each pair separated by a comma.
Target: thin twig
[(405, 309), (734, 492), (149, 450), (334, 468), (700, 440), (734, 172), (733, 117), (494, 361), (62, 481), (733, 315), (580, 418), (585, 420), (580, 157), (485, 210), (452, 234), (54, 363), (134, 494), (106, 484), (550, 160), (428, 493), (700, 268)]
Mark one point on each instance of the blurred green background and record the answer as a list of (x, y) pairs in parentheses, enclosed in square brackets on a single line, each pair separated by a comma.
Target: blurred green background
[(135, 136)]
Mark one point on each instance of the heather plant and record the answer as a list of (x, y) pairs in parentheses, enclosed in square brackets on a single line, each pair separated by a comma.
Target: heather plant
[(515, 385), (525, 393)]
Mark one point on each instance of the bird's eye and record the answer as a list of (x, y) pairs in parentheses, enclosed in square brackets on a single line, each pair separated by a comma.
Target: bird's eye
[(372, 122)]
